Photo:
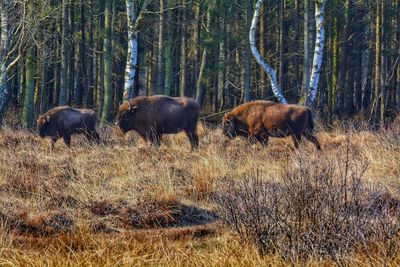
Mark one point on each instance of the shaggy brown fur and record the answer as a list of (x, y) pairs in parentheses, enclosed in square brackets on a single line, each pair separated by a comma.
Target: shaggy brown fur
[(154, 116), (62, 122), (260, 120)]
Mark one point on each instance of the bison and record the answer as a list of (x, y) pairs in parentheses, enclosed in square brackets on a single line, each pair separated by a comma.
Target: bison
[(261, 119), (154, 116), (62, 122)]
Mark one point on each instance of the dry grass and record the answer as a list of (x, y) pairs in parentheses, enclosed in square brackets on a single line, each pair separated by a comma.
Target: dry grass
[(127, 203)]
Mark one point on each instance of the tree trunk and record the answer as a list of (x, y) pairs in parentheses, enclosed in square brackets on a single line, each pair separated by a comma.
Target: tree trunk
[(81, 91), (28, 106), (91, 57), (341, 83), (282, 33), (263, 49), (307, 47), (160, 58), (318, 52), (221, 60), (247, 70), (169, 68), (73, 55), (296, 62), (108, 94), (365, 58), (5, 37), (271, 72), (64, 55), (398, 53), (201, 81), (101, 56), (377, 60), (182, 79)]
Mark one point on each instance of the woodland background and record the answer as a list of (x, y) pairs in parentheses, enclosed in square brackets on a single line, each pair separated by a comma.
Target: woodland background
[(75, 52)]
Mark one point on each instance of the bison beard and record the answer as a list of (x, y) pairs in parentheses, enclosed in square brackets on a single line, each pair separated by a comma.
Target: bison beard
[(260, 120), (154, 116)]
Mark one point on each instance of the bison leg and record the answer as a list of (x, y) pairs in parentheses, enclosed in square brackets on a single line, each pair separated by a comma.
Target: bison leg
[(154, 137), (263, 139), (53, 141), (193, 138), (310, 136), (296, 140), (92, 135), (67, 139)]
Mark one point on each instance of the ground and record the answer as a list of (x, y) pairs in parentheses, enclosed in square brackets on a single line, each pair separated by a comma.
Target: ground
[(129, 203)]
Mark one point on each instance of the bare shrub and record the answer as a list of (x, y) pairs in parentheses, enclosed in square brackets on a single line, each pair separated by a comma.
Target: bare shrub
[(322, 206)]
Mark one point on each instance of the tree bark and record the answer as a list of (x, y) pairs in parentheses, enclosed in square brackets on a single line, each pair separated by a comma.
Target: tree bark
[(201, 81), (28, 106), (4, 47), (91, 57), (307, 47), (108, 93), (64, 55), (271, 72), (160, 57), (247, 71), (182, 75), (318, 52)]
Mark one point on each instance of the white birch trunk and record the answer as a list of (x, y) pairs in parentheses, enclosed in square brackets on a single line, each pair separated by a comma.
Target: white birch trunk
[(318, 51), (133, 44), (270, 71), (131, 60), (4, 45)]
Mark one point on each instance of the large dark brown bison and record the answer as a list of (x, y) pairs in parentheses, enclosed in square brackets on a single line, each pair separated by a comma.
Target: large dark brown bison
[(62, 122), (154, 116), (260, 120)]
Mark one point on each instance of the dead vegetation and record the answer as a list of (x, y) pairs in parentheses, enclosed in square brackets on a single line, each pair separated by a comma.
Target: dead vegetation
[(124, 202)]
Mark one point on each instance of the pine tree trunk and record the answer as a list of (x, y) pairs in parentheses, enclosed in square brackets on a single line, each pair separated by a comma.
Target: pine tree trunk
[(221, 61), (342, 70), (82, 90), (282, 33), (377, 60), (385, 37), (43, 85), (64, 56), (91, 57), (100, 64), (263, 49), (73, 56), (201, 81), (169, 53), (398, 53), (296, 62), (307, 47), (160, 57), (247, 55), (108, 94), (28, 106), (182, 79), (365, 58)]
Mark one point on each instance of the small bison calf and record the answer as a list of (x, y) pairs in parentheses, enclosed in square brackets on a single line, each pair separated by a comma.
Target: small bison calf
[(261, 119), (62, 122)]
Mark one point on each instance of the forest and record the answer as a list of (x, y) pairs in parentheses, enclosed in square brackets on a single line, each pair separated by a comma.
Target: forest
[(96, 54)]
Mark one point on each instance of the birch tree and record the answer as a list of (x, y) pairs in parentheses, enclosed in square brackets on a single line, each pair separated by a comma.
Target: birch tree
[(133, 44), (318, 52), (270, 71), (4, 47)]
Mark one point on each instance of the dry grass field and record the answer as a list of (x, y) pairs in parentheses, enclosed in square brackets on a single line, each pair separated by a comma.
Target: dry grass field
[(127, 203)]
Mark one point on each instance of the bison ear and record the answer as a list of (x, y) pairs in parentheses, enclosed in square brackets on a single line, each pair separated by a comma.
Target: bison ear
[(47, 118)]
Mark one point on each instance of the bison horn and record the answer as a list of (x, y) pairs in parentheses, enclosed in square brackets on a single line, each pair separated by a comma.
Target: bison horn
[(129, 104)]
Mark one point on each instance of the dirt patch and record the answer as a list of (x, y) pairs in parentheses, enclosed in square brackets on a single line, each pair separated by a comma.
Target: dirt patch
[(42, 225)]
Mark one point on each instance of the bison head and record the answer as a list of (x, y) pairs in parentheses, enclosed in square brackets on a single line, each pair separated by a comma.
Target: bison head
[(229, 126), (126, 117), (43, 125)]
